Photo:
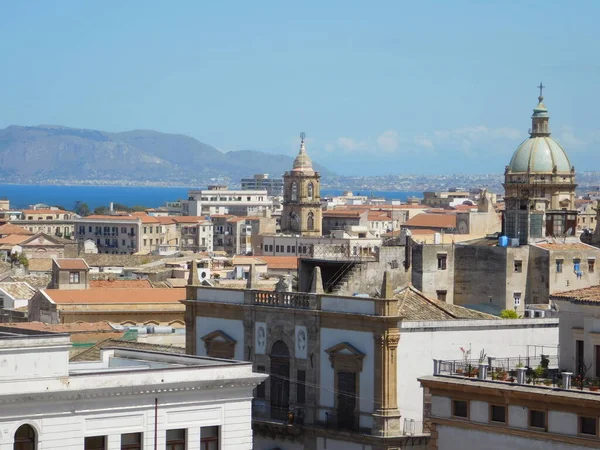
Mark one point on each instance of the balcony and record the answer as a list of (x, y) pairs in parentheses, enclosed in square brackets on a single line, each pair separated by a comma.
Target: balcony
[(282, 299)]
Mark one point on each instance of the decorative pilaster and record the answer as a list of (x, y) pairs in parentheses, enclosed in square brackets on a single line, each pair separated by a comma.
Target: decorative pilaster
[(386, 418)]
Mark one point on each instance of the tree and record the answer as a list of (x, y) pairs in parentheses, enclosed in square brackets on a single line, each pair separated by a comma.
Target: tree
[(101, 210), (81, 209), (508, 314)]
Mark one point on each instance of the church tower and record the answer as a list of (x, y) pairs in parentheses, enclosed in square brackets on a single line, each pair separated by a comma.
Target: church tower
[(539, 185), (301, 197)]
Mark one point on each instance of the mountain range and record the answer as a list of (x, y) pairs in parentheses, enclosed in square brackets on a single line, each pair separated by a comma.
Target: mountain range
[(34, 154)]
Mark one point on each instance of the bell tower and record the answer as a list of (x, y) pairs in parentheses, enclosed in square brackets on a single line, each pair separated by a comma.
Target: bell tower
[(301, 197)]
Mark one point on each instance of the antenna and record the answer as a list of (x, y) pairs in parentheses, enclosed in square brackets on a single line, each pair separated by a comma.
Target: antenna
[(302, 136)]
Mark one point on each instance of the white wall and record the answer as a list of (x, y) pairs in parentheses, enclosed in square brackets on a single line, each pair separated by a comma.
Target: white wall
[(420, 345), (234, 328), (362, 341), (453, 438), (64, 425)]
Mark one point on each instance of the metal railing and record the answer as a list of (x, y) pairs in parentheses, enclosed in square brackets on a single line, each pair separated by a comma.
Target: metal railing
[(347, 422)]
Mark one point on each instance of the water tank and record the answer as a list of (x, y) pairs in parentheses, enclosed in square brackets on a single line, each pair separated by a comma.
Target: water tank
[(503, 241), (155, 329), (140, 330), (514, 242)]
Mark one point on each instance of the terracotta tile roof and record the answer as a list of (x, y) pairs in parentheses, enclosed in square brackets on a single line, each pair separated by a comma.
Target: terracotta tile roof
[(9, 228), (165, 220), (149, 219), (425, 220), (586, 295), (189, 219), (120, 284), (72, 264), (14, 239), (106, 260), (220, 216), (342, 213), (40, 265), (281, 262), (565, 246), (17, 289), (414, 305), (102, 296), (93, 353), (34, 280), (108, 217), (241, 260), (378, 217)]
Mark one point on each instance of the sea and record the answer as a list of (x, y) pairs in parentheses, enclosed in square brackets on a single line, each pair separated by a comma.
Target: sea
[(24, 195)]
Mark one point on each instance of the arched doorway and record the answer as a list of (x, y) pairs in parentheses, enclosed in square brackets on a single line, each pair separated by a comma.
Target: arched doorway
[(24, 438), (280, 380)]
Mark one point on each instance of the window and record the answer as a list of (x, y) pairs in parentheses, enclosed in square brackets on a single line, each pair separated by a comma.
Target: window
[(293, 249), (131, 441), (588, 426), (175, 440), (310, 221), (310, 191), (559, 265), (145, 230), (518, 266), (95, 443), (579, 363), (288, 248), (460, 408), (82, 229), (301, 387), (537, 419), (441, 295), (517, 298), (74, 277), (294, 196), (576, 265), (498, 413), (124, 230), (209, 438), (89, 229), (591, 264), (260, 389), (442, 261), (25, 438)]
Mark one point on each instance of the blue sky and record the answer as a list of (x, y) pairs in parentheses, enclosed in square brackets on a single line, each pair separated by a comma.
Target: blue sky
[(379, 87)]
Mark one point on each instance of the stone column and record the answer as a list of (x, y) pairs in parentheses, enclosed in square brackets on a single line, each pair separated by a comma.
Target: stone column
[(386, 417)]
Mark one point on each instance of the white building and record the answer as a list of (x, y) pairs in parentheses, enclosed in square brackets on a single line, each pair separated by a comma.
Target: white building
[(220, 200), (113, 234), (129, 399), (274, 186)]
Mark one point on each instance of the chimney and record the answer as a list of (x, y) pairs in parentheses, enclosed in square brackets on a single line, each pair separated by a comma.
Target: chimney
[(316, 286), (111, 207)]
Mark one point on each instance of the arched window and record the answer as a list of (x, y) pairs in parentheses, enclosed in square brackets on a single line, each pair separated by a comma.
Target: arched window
[(311, 189), (310, 222), (24, 438), (294, 192), (280, 380)]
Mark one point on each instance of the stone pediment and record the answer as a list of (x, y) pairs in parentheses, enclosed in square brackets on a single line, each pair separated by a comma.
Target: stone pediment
[(346, 356), (41, 239), (218, 336), (219, 344)]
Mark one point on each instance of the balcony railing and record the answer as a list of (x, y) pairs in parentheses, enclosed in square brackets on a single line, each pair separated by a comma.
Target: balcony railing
[(347, 422), (281, 299)]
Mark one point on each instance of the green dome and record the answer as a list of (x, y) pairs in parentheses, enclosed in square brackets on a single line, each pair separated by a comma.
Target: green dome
[(540, 154)]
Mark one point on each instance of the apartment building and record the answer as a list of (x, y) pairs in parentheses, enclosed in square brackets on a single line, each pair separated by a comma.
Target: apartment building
[(126, 399), (273, 186), (112, 234), (195, 233), (220, 200), (48, 220)]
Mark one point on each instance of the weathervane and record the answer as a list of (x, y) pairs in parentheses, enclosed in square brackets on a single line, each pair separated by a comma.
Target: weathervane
[(541, 87), (302, 136)]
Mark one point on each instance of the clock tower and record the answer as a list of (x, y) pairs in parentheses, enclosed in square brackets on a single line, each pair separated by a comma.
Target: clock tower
[(301, 197)]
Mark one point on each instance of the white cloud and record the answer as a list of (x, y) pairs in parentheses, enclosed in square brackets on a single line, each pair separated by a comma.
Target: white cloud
[(389, 141), (567, 138), (424, 142), (351, 145)]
